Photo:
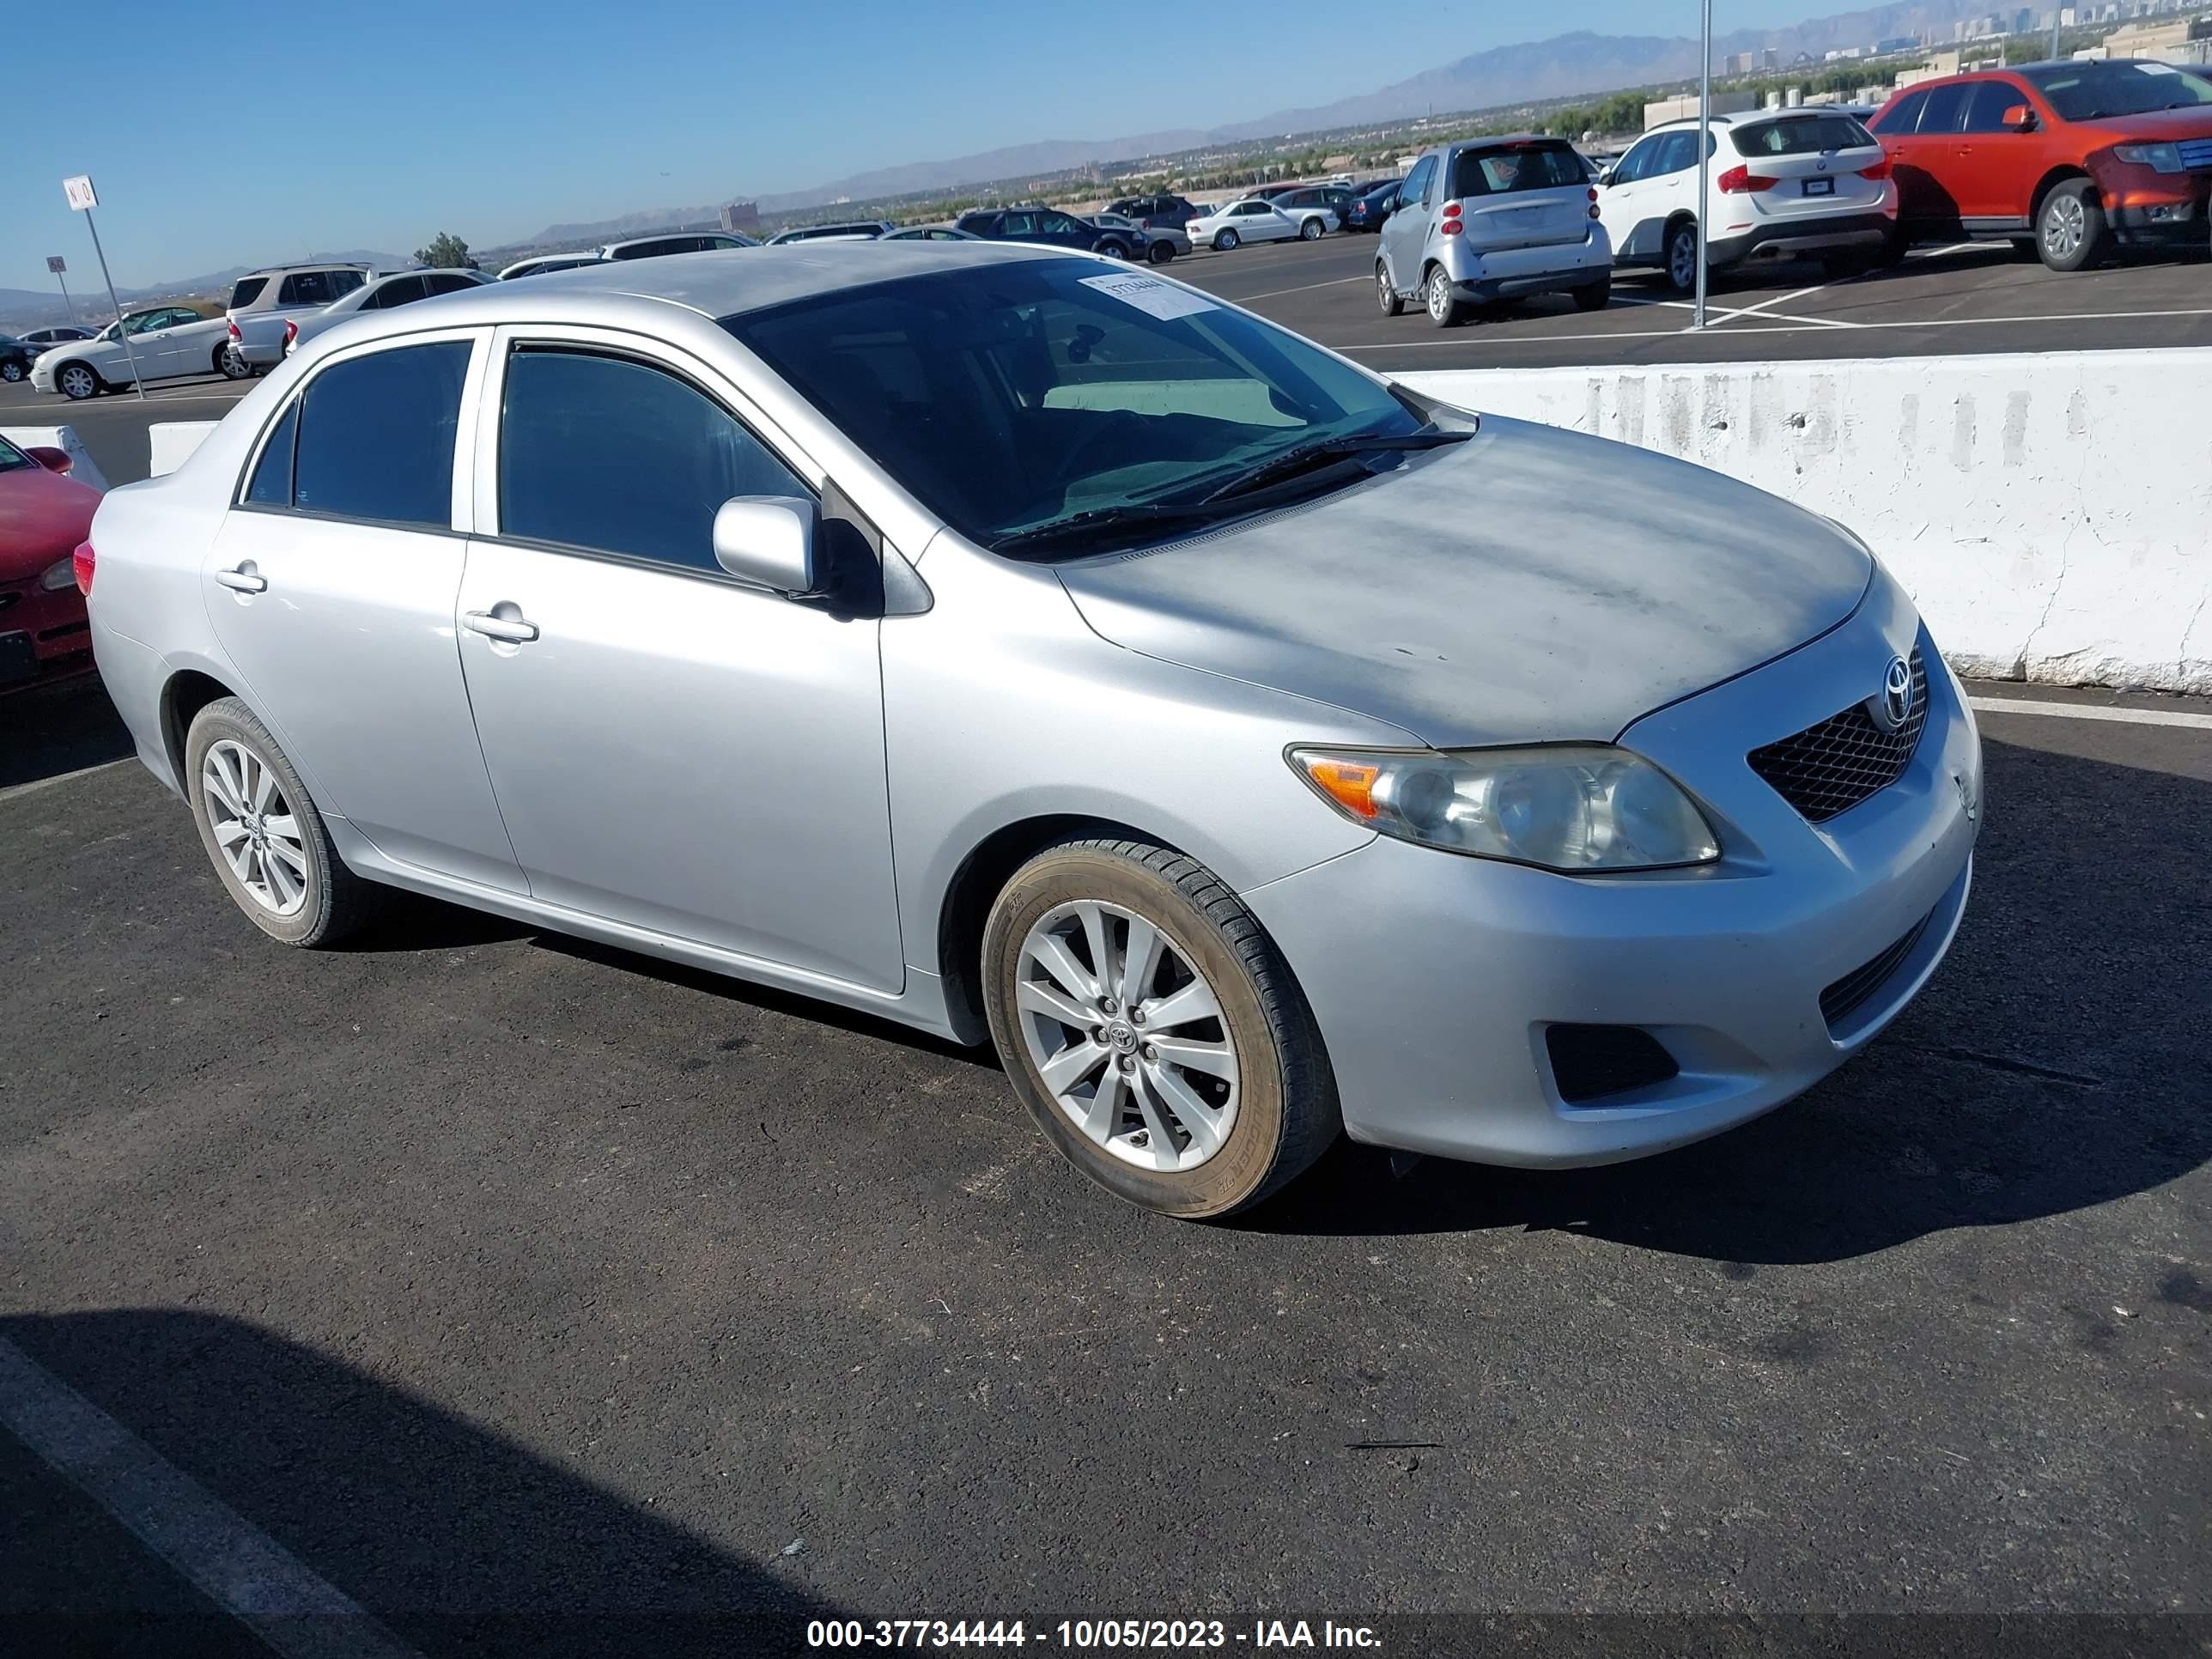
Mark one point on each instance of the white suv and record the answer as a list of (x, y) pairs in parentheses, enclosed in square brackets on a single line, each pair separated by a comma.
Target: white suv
[(1781, 184), (280, 292)]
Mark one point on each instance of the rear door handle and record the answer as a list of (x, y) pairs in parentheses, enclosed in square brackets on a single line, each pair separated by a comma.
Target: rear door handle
[(511, 629), (243, 580)]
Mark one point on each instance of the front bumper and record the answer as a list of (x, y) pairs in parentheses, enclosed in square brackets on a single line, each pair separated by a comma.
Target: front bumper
[(1435, 979), (2149, 208), (43, 371), (1785, 239), (1509, 273)]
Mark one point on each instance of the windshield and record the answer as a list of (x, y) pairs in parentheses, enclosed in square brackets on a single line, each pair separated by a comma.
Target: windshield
[(2088, 90), (12, 458), (1012, 396)]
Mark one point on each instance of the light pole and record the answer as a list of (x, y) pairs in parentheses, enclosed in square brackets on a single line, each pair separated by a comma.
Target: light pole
[(1705, 137)]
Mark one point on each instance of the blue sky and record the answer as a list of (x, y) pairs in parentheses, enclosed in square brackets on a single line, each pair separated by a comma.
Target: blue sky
[(226, 134)]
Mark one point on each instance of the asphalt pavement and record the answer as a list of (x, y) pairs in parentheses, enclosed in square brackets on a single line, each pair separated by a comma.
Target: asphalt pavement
[(536, 1298)]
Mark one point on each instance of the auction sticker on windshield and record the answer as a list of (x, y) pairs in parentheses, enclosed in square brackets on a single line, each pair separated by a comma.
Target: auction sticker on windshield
[(1151, 295)]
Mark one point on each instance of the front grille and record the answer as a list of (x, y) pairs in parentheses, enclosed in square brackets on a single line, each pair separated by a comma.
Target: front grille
[(1589, 1063), (1850, 993), (1831, 768), (2196, 153)]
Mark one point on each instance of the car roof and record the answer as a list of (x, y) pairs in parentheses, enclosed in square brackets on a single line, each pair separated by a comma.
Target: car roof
[(726, 281)]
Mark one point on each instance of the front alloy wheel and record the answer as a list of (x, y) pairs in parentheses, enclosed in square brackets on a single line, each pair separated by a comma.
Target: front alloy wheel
[(77, 381), (1151, 1028)]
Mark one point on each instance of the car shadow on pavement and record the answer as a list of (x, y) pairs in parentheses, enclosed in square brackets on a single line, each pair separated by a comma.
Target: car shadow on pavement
[(2054, 1063), (456, 1539), (50, 730)]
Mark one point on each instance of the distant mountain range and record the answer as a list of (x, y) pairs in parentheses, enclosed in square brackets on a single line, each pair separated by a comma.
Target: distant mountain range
[(1563, 66)]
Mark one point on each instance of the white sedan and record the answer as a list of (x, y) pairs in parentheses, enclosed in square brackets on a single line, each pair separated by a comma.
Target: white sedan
[(401, 287), (166, 342), (1253, 220)]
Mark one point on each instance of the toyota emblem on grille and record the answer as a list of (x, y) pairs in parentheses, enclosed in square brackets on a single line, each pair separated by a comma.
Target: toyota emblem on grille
[(1893, 707)]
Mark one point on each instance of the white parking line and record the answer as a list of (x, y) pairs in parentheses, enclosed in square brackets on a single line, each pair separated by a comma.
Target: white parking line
[(37, 784), (243, 1571), (1247, 299), (2083, 711), (1769, 304), (1490, 338)]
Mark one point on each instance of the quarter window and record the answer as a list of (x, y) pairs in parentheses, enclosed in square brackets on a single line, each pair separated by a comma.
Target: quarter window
[(618, 457), (272, 474), (376, 436)]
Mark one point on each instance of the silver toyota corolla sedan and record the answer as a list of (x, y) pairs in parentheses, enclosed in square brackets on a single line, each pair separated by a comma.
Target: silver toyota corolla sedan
[(1028, 648)]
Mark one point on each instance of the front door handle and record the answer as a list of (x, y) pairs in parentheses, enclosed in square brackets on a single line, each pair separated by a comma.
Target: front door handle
[(513, 630), (243, 580)]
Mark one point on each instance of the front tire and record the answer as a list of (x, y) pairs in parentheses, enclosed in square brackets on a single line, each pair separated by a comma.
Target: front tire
[(1311, 230), (1153, 1030), (78, 381), (2070, 233), (1224, 240), (1681, 266), (264, 835)]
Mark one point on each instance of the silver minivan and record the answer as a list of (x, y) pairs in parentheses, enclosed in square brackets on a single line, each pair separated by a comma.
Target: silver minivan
[(1493, 219)]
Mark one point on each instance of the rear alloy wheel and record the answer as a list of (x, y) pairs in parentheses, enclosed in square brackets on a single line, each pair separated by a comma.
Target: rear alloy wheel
[(1445, 310), (1153, 1030), (78, 380), (262, 834), (1311, 230), (11, 371), (2069, 229), (230, 365), (1682, 258), (1224, 240), (1386, 291)]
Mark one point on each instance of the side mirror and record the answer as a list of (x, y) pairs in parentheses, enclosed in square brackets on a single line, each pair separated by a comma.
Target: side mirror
[(2020, 119), (1606, 177), (54, 460), (768, 541)]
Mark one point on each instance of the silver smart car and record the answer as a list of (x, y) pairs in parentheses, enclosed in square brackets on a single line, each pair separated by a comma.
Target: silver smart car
[(1023, 647)]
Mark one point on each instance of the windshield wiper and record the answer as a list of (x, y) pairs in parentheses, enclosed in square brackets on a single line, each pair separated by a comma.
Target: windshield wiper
[(1098, 520), (1323, 451)]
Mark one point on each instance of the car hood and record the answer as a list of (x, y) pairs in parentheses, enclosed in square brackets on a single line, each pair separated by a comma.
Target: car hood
[(1529, 584), (2155, 126), (43, 516)]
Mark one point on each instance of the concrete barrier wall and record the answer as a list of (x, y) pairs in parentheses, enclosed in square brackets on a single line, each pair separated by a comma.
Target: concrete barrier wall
[(173, 440), (64, 438), (2050, 514)]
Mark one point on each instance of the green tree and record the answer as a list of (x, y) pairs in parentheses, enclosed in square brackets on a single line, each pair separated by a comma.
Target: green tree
[(447, 252)]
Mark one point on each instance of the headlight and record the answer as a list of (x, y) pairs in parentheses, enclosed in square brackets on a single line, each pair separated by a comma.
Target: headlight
[(2160, 158), (1570, 807), (61, 573)]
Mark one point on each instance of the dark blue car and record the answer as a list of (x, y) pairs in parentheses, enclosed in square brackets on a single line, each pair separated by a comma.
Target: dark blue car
[(1368, 211)]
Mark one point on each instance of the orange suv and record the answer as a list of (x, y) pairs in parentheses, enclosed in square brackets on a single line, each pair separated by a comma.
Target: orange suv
[(2073, 157)]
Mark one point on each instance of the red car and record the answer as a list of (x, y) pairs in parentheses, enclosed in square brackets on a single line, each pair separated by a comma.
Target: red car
[(44, 516), (2073, 157)]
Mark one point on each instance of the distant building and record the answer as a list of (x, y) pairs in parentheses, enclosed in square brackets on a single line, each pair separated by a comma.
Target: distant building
[(1686, 107), (741, 216), (1895, 43)]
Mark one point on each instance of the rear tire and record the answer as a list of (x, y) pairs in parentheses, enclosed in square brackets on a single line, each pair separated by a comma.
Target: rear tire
[(2070, 233), (292, 885), (1594, 296), (11, 371), (1278, 1100), (1444, 307), (1160, 253), (1311, 230), (1386, 292), (1224, 240), (231, 365)]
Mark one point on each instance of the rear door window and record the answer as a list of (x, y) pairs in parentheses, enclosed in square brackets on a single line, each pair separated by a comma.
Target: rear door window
[(376, 436), (399, 291), (1945, 110), (306, 288), (1519, 167)]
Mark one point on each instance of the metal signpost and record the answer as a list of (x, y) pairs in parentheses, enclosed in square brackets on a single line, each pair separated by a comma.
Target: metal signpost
[(59, 267), (82, 199), (1705, 137)]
